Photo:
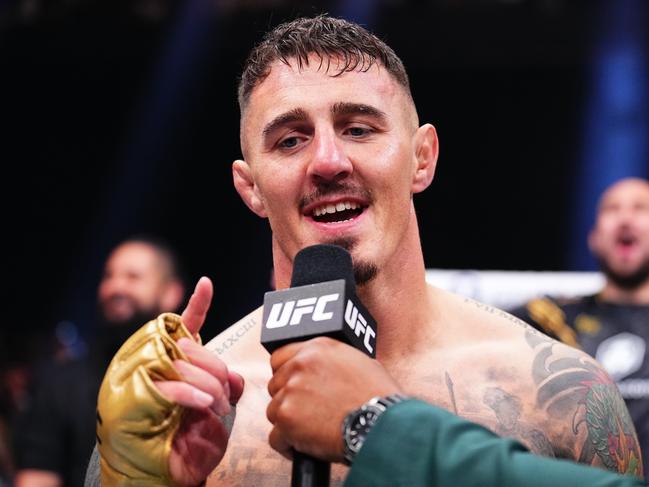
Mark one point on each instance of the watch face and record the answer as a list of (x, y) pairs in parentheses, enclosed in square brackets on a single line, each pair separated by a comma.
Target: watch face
[(361, 426)]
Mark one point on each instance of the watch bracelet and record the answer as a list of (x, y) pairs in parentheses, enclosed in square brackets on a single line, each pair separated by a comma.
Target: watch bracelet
[(384, 402)]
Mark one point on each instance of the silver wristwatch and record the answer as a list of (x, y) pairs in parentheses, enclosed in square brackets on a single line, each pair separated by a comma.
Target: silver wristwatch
[(358, 423)]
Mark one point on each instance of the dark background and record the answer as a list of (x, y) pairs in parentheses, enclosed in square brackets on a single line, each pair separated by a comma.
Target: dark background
[(120, 117)]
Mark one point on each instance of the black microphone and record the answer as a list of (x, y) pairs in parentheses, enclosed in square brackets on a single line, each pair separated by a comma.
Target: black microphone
[(321, 301)]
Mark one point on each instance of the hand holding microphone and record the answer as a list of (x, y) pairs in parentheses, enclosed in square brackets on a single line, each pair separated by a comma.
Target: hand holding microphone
[(315, 384), (321, 302)]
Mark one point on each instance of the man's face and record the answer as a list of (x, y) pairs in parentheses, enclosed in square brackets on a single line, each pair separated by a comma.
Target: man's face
[(332, 159), (620, 239), (132, 284)]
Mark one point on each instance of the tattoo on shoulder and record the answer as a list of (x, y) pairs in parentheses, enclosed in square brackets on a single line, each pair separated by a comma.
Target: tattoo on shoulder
[(571, 384), (508, 410), (234, 335)]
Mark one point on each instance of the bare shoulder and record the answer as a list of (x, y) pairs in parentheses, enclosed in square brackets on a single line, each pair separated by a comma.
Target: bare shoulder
[(240, 341), (240, 348), (554, 398), (491, 319)]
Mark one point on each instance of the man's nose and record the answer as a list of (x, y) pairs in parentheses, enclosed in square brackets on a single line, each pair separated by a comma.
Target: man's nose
[(329, 162), (115, 284), (627, 214)]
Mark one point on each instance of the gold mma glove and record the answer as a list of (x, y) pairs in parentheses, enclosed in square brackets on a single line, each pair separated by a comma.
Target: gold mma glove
[(135, 422)]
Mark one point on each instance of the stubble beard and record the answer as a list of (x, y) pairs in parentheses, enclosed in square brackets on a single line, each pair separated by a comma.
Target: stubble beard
[(364, 271), (138, 316), (627, 281)]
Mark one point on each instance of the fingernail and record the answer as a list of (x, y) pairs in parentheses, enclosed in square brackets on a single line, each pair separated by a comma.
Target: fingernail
[(202, 399), (184, 343)]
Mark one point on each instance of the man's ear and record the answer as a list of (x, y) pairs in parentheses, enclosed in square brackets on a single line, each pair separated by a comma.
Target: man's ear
[(246, 187), (426, 152)]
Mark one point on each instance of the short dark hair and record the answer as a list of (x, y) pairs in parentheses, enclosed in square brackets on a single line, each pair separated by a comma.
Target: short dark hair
[(173, 266), (326, 37)]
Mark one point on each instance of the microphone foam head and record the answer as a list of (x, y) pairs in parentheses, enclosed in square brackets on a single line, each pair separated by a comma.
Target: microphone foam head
[(321, 263)]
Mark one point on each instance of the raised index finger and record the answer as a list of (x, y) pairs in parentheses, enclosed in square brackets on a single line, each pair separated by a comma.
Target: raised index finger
[(199, 303)]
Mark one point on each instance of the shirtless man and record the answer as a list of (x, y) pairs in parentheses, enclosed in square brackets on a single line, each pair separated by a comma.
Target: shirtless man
[(333, 153)]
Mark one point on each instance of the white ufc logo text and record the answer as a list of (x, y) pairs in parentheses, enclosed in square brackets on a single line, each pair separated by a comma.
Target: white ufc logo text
[(291, 312), (358, 323)]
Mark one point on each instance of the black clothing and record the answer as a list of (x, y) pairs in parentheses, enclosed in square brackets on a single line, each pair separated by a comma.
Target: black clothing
[(616, 335), (57, 430)]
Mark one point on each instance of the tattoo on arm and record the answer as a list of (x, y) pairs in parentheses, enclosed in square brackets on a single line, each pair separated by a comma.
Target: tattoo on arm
[(572, 384)]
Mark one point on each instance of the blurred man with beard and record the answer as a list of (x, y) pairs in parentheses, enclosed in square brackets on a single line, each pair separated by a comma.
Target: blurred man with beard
[(55, 436), (613, 325)]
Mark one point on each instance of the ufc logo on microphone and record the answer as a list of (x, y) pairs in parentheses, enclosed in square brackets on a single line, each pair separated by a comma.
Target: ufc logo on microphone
[(358, 323), (291, 312)]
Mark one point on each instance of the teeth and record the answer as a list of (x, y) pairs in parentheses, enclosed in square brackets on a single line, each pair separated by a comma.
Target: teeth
[(330, 208)]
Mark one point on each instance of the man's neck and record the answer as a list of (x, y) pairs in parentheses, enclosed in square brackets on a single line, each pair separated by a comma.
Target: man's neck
[(398, 297), (399, 300), (613, 293), (403, 313)]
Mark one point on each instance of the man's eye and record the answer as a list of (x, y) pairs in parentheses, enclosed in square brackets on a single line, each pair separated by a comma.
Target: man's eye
[(358, 131), (288, 143)]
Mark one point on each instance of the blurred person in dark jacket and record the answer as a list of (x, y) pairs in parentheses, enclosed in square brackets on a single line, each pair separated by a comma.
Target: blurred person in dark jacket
[(54, 436)]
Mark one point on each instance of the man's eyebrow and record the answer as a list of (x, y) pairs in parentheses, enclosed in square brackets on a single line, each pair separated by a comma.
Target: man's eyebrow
[(295, 115), (347, 108)]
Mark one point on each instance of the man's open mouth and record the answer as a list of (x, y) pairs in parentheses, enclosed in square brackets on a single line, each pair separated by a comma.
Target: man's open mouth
[(337, 212), (626, 241)]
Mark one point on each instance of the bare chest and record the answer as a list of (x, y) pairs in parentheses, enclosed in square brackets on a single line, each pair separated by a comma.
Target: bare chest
[(493, 392), (482, 383), (494, 395)]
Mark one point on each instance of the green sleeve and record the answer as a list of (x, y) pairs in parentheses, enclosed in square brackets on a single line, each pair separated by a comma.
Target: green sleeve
[(416, 444)]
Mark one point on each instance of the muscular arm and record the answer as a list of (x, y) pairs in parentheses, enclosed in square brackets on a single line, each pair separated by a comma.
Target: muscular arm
[(570, 384), (415, 443), (580, 414)]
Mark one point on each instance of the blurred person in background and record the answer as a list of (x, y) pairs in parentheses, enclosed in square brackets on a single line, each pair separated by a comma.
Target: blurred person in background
[(612, 325), (22, 353), (54, 436)]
